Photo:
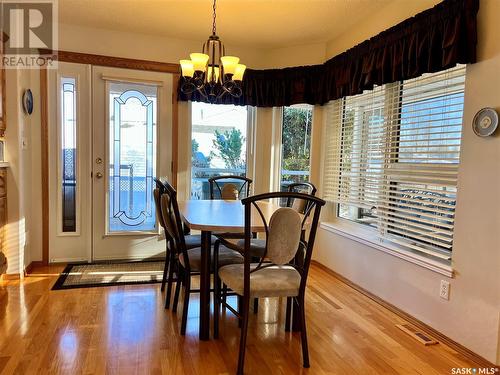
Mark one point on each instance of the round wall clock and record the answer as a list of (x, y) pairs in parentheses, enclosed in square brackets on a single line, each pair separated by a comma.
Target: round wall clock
[(485, 122), (28, 101)]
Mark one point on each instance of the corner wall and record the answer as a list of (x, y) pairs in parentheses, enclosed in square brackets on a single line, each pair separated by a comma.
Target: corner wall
[(471, 316), (23, 231)]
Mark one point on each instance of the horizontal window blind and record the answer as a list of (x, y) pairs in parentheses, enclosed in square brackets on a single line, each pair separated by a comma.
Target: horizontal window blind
[(393, 152)]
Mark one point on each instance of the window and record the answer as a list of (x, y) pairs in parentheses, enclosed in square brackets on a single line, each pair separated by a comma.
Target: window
[(392, 157), (132, 156), (218, 144), (68, 154), (295, 145)]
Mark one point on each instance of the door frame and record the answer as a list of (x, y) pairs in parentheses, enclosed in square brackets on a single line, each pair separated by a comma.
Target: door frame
[(96, 60)]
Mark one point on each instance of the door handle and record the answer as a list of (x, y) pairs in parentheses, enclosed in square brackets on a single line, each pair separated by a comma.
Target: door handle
[(98, 161), (98, 175)]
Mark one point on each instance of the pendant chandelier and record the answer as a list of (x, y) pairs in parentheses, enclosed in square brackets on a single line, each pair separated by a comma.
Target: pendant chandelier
[(212, 73)]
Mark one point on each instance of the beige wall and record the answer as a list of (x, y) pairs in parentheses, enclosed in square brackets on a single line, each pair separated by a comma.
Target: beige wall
[(471, 316), (140, 46), (13, 155), (151, 47), (293, 56), (389, 15), (23, 234)]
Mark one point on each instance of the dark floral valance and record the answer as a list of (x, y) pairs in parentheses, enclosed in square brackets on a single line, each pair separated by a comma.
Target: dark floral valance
[(433, 40)]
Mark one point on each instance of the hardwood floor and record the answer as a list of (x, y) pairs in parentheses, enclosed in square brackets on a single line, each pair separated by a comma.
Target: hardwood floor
[(125, 330)]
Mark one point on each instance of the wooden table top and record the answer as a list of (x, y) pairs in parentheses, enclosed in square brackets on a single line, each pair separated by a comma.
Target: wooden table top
[(221, 215)]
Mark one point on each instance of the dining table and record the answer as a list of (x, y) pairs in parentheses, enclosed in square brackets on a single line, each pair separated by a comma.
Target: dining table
[(212, 217)]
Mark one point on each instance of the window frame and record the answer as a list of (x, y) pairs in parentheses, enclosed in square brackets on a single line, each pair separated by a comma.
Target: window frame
[(249, 147), (277, 144), (343, 225)]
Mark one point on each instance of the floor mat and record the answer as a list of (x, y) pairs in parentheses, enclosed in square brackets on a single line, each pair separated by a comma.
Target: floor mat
[(109, 273)]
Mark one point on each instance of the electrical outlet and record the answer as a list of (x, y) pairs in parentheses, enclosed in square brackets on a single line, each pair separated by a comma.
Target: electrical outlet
[(444, 290)]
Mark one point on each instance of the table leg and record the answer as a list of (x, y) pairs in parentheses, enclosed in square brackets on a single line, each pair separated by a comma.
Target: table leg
[(205, 285)]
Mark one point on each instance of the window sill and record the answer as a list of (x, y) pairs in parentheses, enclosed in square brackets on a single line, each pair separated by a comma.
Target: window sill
[(367, 237)]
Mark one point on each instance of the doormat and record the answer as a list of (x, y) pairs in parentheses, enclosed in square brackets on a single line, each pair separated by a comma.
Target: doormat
[(109, 273)]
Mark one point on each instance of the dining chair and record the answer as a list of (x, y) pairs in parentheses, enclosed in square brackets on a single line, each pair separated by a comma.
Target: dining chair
[(300, 187), (191, 241), (188, 261), (157, 196), (226, 187), (258, 245), (229, 187), (279, 273)]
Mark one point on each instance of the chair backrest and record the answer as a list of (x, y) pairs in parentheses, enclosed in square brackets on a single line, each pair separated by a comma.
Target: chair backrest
[(173, 221), (285, 233), (229, 192), (283, 238), (159, 185), (300, 187), (157, 193), (218, 189)]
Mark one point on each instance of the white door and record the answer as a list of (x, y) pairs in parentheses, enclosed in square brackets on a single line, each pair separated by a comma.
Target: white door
[(131, 144), (109, 135)]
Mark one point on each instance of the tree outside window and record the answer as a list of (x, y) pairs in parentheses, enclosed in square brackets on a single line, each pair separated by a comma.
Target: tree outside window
[(296, 145)]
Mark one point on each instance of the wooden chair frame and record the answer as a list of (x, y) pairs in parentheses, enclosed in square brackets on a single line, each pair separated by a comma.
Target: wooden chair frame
[(168, 271), (170, 211)]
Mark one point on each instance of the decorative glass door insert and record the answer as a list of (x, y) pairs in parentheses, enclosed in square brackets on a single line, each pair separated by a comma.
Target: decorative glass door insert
[(132, 157), (68, 156)]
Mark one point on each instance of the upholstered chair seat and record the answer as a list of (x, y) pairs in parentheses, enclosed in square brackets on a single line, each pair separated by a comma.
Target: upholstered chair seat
[(226, 256), (194, 240), (278, 280), (272, 281)]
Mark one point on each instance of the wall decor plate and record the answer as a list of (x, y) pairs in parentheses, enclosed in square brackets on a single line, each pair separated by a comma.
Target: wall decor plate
[(485, 122), (28, 101)]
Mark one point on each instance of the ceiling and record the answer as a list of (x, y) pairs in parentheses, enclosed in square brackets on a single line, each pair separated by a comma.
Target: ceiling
[(258, 23)]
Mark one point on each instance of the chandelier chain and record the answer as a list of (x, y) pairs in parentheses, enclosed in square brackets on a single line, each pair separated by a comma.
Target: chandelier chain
[(215, 16)]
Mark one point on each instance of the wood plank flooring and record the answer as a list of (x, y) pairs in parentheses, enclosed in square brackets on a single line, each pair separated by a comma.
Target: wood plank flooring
[(126, 330)]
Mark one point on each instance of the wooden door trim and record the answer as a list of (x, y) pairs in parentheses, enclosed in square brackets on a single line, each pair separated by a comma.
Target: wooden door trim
[(44, 122), (97, 60), (175, 129), (111, 61)]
